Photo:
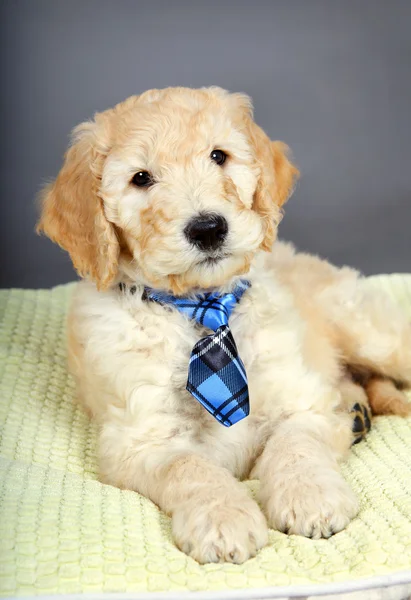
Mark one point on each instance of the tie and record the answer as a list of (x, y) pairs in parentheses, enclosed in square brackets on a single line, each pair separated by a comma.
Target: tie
[(216, 374)]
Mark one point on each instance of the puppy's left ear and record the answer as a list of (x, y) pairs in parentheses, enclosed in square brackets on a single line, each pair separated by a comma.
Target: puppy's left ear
[(286, 173), (277, 179)]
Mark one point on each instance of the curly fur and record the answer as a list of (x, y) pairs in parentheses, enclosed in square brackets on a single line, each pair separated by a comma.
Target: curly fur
[(301, 329)]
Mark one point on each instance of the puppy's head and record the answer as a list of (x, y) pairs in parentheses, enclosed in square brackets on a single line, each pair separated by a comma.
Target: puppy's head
[(176, 188)]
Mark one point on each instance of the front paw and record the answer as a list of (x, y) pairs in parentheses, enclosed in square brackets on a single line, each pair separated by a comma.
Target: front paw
[(227, 529), (313, 504)]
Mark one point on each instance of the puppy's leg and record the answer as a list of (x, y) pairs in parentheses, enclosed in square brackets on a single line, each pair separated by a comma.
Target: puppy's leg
[(374, 333), (302, 489), (386, 399), (213, 517)]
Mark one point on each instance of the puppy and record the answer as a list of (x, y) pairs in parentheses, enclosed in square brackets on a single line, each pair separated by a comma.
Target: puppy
[(135, 182)]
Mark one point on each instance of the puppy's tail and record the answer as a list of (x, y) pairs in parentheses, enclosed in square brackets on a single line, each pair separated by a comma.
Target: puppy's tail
[(385, 398)]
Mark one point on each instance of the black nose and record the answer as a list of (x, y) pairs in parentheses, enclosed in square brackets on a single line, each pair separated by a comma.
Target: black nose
[(207, 231)]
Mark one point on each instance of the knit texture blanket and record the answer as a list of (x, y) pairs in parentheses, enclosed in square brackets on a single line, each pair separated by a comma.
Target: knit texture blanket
[(61, 531)]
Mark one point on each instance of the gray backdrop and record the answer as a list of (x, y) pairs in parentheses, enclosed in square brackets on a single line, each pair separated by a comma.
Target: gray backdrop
[(330, 77)]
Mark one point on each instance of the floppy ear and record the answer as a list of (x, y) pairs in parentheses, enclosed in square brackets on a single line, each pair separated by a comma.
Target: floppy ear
[(276, 181), (72, 211)]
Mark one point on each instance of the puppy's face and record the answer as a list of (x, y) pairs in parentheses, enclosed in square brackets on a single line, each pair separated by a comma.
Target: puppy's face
[(177, 188)]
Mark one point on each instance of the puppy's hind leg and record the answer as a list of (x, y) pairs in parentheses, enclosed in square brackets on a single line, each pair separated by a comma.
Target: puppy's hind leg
[(386, 399), (373, 333), (367, 396)]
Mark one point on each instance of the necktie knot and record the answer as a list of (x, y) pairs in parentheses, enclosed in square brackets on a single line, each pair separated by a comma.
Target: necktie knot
[(211, 310)]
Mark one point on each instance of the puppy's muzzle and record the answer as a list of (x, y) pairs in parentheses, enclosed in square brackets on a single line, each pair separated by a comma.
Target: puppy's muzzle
[(207, 231)]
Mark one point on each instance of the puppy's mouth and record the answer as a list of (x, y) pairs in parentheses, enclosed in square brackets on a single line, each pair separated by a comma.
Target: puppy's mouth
[(213, 260)]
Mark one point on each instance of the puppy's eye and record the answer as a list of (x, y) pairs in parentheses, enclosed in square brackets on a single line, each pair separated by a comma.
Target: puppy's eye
[(218, 156), (142, 179)]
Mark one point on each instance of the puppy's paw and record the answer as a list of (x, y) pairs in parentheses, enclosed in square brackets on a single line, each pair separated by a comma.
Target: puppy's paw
[(313, 504), (228, 529), (361, 421)]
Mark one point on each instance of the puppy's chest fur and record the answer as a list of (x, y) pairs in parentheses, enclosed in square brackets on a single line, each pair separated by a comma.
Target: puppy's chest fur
[(177, 336)]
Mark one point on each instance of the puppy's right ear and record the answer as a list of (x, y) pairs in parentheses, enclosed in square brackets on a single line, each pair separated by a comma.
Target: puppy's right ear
[(72, 211)]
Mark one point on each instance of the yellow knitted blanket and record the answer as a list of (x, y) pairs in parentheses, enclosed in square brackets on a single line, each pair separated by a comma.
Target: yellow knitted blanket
[(61, 531)]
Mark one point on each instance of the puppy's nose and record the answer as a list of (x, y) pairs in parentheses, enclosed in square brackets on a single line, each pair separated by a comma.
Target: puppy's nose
[(207, 231)]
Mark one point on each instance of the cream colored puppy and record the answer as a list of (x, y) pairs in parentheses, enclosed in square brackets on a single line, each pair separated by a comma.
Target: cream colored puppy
[(133, 180)]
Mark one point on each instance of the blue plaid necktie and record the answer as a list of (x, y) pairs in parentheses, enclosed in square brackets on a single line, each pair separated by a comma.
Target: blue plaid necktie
[(216, 374)]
